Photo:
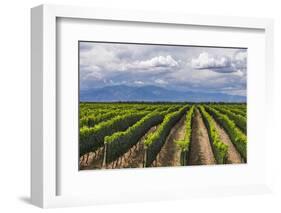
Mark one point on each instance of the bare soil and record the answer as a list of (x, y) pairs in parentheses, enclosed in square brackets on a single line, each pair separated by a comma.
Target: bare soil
[(132, 159), (200, 152), (170, 153), (233, 155), (92, 160), (136, 160)]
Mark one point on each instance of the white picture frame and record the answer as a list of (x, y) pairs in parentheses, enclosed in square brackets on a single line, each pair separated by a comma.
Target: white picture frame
[(44, 83)]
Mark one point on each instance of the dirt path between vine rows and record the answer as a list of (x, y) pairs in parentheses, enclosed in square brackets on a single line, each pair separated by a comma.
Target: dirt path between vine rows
[(131, 159), (200, 148), (135, 156), (233, 155), (92, 160), (170, 153)]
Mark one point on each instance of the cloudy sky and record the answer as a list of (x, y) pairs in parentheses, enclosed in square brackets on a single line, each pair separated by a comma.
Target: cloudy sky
[(184, 68)]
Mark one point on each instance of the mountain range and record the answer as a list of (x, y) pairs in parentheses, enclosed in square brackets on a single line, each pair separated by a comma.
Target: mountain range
[(125, 93)]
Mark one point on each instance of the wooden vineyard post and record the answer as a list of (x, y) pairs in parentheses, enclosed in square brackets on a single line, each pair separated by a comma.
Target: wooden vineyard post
[(104, 164), (182, 159), (144, 158)]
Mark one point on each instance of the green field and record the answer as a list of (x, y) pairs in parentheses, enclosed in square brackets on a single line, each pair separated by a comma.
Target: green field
[(136, 135)]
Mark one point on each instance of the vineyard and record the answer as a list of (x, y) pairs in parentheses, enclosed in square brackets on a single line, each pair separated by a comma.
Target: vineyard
[(136, 135)]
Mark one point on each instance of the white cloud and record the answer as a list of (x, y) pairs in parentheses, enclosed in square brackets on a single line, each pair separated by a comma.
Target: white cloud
[(239, 73), (159, 62), (160, 81), (117, 58), (240, 60), (241, 56), (139, 82), (233, 91), (221, 64), (206, 61), (91, 72)]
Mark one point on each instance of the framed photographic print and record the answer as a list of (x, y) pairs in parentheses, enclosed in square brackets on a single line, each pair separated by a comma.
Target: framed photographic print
[(149, 106)]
